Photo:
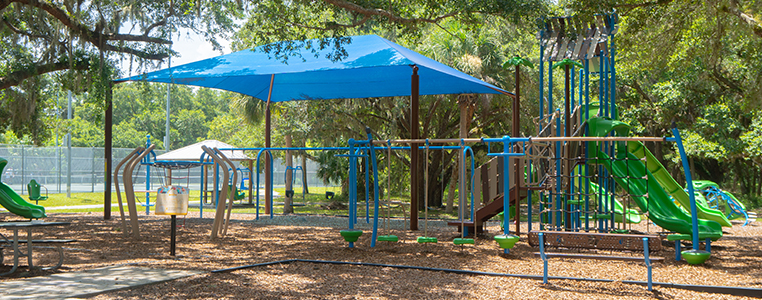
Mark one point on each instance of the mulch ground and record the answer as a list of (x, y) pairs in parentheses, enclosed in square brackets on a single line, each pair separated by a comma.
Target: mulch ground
[(736, 261)]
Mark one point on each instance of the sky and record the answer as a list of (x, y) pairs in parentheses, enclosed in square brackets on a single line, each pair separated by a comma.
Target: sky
[(192, 47)]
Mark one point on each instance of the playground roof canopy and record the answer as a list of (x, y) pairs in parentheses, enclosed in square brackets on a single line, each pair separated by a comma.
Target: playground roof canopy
[(193, 152), (374, 67)]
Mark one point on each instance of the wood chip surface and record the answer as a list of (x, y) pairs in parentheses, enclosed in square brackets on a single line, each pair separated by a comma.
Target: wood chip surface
[(736, 261)]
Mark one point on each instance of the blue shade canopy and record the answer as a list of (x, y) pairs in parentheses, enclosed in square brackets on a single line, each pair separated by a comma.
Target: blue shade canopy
[(375, 67)]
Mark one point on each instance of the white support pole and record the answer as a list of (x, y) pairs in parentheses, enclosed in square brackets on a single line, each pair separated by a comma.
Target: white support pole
[(68, 151)]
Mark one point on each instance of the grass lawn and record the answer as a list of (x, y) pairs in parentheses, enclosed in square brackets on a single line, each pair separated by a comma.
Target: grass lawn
[(313, 203)]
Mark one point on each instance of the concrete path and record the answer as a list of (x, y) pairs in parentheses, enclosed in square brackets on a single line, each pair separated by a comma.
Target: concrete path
[(87, 283)]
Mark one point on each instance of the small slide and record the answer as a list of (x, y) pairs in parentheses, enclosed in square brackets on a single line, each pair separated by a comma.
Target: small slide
[(629, 175), (11, 201), (632, 215)]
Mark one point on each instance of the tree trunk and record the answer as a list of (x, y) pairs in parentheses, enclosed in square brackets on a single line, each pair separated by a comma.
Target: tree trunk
[(288, 200), (305, 186), (451, 190)]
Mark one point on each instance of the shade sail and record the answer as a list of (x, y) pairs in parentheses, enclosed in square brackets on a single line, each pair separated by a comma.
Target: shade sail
[(375, 67), (193, 152)]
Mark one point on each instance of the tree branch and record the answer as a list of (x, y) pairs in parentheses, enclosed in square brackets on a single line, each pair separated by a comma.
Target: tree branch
[(16, 77), (756, 26), (644, 4), (92, 36), (725, 81), (386, 14)]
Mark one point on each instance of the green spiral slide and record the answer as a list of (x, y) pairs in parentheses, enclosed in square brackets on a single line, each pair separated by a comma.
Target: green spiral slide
[(11, 201)]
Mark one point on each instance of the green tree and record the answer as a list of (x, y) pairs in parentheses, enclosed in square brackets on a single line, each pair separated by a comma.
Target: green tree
[(78, 44)]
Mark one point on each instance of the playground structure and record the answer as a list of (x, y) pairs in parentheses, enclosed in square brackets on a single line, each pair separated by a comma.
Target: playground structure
[(582, 173), (585, 171)]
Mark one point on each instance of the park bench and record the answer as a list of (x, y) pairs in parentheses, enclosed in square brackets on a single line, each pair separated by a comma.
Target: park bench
[(56, 244), (595, 241)]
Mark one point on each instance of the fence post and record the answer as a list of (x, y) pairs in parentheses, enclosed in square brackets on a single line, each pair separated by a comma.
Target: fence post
[(23, 169), (92, 169)]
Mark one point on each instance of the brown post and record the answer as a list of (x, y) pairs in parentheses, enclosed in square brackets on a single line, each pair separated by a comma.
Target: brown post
[(268, 176), (414, 134), (516, 132), (109, 124)]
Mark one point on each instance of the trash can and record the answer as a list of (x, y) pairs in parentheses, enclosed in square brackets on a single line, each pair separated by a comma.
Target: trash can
[(172, 200)]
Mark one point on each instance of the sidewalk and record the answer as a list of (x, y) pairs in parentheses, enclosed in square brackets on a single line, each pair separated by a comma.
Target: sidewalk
[(87, 283)]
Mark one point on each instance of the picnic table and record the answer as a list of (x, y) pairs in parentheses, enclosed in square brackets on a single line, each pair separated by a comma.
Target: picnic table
[(14, 243)]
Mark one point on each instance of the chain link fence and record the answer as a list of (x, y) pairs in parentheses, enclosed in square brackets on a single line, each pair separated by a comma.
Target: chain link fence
[(50, 167)]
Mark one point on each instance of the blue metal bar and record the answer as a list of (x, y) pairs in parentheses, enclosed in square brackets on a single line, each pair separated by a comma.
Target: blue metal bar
[(602, 105), (557, 219), (648, 262), (375, 189), (612, 52), (529, 193), (506, 188), (367, 183), (542, 92), (471, 191), (544, 259), (146, 160), (587, 144), (708, 242), (689, 184), (352, 187), (678, 253), (201, 187), (550, 87), (259, 155)]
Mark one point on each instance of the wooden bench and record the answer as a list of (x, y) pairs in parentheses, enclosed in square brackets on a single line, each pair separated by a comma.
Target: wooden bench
[(595, 241), (56, 244)]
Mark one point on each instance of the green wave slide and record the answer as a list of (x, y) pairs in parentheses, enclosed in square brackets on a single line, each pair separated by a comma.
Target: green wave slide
[(656, 200), (11, 201), (672, 188)]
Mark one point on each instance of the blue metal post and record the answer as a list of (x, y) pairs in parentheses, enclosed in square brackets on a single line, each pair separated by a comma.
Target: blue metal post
[(612, 52), (678, 253), (558, 206), (375, 188), (529, 193), (689, 184), (201, 188), (148, 176), (550, 87), (587, 144), (507, 145), (542, 92), (544, 259), (602, 103), (367, 189), (648, 263), (352, 186)]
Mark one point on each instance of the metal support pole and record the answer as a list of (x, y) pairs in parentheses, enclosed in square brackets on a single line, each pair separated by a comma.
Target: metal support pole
[(172, 235), (414, 134), (68, 152)]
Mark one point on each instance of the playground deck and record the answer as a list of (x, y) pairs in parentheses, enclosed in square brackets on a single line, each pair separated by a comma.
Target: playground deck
[(736, 261)]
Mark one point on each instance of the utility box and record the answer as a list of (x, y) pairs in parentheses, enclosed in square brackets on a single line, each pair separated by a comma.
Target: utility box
[(172, 200)]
